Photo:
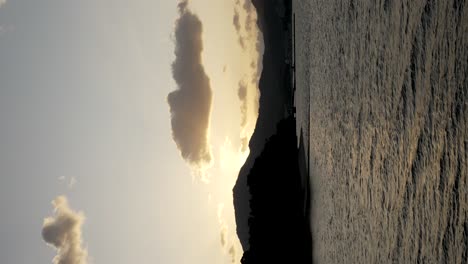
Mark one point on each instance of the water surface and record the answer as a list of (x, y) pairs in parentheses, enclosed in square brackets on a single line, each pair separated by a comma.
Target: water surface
[(382, 92)]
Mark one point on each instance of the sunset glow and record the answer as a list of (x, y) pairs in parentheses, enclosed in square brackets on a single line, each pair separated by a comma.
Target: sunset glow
[(232, 60)]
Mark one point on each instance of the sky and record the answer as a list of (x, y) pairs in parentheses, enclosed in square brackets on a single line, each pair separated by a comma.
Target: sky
[(92, 167)]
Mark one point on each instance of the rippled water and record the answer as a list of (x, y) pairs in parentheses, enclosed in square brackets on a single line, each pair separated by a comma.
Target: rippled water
[(384, 87)]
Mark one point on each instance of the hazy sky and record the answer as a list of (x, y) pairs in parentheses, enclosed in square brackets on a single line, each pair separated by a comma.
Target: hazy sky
[(83, 113)]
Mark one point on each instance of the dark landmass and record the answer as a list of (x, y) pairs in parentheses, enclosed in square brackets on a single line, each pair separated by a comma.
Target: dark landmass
[(271, 195), (273, 102), (279, 226)]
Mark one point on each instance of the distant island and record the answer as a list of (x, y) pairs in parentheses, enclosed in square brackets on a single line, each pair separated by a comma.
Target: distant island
[(270, 196), (279, 229)]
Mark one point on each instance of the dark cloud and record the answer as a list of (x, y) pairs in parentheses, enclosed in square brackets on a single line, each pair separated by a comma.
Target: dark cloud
[(236, 20), (182, 5), (242, 91), (253, 65), (232, 253), (237, 25), (63, 232), (249, 22), (249, 19), (190, 104), (241, 41), (223, 235), (242, 94), (248, 6)]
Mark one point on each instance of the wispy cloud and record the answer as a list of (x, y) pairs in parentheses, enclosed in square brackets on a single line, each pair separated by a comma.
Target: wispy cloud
[(71, 183), (223, 225), (232, 253), (245, 29), (223, 236), (190, 103), (227, 245), (242, 95), (250, 40), (237, 26), (63, 232)]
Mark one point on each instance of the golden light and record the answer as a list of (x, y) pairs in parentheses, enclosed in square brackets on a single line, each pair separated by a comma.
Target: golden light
[(231, 58)]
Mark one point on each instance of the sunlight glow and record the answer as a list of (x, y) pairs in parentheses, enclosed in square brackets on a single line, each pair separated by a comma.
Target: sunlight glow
[(232, 47)]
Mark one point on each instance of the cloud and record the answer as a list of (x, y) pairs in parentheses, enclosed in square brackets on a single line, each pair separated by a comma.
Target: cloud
[(242, 42), (228, 248), (223, 236), (249, 19), (72, 182), (222, 223), (248, 6), (2, 2), (236, 20), (190, 103), (232, 253), (251, 42), (242, 95), (246, 30), (63, 232), (242, 91), (237, 26), (244, 109)]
